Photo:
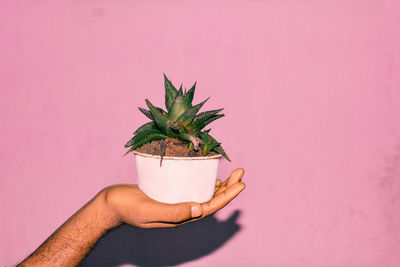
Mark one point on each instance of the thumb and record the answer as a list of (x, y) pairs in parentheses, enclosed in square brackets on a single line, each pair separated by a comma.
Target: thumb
[(176, 213)]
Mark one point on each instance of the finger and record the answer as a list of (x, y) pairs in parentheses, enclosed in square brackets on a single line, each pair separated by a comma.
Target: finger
[(220, 190), (216, 189), (220, 201), (175, 213), (235, 177), (217, 185)]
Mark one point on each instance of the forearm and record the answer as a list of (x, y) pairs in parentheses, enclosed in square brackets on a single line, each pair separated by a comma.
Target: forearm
[(73, 240)]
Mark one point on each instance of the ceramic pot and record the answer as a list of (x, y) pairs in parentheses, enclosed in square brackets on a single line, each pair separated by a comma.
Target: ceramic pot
[(178, 179)]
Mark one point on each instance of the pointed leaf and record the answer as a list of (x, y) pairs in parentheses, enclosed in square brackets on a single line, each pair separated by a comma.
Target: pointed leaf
[(198, 125), (184, 136), (162, 111), (208, 114), (189, 95), (145, 127), (214, 145), (213, 118), (201, 118), (189, 114), (207, 139), (189, 137), (178, 107), (208, 147), (221, 151), (170, 92), (140, 136), (208, 142), (180, 92), (146, 112), (159, 118), (144, 139)]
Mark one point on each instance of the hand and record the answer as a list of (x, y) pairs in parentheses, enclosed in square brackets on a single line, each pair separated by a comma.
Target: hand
[(129, 204)]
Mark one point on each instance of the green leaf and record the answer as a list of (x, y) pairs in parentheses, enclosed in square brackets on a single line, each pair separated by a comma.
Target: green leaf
[(200, 124), (170, 92), (184, 136), (208, 139), (173, 125), (189, 95), (145, 127), (208, 147), (180, 92), (208, 143), (221, 151), (144, 139), (201, 118), (178, 107), (207, 114), (216, 117), (159, 118), (140, 135), (182, 130), (146, 112), (190, 113)]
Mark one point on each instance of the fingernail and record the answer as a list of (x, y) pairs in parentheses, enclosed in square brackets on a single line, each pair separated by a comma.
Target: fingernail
[(196, 211)]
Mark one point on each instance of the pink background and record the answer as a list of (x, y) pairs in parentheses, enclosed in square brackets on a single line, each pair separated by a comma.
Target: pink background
[(311, 90)]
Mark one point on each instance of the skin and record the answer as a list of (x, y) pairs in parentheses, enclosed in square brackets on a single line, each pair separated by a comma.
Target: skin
[(118, 204)]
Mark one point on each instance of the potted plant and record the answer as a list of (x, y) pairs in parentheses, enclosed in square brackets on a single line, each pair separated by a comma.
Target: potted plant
[(176, 158)]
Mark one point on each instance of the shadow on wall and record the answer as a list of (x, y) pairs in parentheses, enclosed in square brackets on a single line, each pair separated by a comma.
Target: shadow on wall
[(164, 246)]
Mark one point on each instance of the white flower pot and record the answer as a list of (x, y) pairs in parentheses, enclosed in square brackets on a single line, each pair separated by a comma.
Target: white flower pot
[(179, 179)]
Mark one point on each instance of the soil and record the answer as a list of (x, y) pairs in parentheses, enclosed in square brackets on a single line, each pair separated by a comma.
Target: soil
[(173, 148)]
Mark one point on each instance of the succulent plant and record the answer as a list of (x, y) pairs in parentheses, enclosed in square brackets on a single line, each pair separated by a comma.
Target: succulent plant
[(181, 121)]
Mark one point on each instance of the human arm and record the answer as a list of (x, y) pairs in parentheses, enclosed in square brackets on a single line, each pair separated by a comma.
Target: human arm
[(120, 204)]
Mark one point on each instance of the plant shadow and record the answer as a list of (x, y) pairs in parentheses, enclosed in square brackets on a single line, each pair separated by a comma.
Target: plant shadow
[(163, 246)]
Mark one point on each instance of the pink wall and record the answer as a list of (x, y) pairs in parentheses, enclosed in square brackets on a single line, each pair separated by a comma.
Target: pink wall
[(311, 90)]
